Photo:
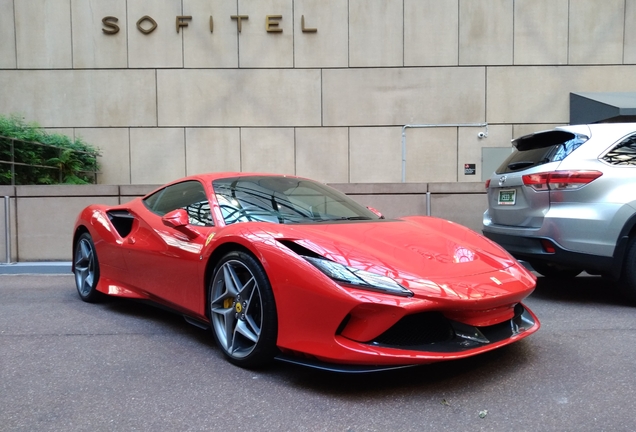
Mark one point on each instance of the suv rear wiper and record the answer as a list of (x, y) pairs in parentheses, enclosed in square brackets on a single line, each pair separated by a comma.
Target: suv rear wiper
[(519, 165)]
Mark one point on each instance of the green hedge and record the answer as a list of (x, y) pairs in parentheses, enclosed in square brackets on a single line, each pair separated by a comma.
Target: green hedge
[(43, 158)]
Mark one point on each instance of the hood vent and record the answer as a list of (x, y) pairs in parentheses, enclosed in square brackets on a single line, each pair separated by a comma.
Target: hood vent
[(298, 249)]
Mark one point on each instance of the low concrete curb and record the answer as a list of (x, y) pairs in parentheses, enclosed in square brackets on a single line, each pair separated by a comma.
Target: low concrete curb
[(49, 267)]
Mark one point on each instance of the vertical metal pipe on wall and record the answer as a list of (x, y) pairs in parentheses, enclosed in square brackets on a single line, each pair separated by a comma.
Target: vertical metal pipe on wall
[(480, 135), (457, 125), (7, 229)]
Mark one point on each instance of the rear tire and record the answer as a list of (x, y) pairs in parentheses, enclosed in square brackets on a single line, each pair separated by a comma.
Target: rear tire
[(627, 282), (554, 271)]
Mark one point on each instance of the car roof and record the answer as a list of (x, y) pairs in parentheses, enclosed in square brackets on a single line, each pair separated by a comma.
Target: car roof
[(208, 178), (607, 131)]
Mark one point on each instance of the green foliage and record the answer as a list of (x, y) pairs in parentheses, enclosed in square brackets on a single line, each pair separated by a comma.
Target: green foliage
[(43, 158)]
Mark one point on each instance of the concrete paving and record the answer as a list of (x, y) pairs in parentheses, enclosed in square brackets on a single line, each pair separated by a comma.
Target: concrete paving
[(66, 365)]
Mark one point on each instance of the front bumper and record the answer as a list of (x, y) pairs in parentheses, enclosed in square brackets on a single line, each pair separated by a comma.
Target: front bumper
[(450, 340)]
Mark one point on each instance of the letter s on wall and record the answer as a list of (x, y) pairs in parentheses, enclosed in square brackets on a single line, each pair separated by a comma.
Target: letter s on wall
[(109, 21)]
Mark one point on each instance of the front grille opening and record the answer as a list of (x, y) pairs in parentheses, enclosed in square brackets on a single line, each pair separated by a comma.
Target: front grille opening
[(416, 330), (343, 324)]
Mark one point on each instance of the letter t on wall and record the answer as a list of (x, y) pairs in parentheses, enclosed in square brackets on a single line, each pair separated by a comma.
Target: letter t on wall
[(238, 19)]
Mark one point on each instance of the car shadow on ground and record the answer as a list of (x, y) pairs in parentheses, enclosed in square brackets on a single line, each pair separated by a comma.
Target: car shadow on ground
[(442, 378), (581, 289), (438, 377), (153, 314)]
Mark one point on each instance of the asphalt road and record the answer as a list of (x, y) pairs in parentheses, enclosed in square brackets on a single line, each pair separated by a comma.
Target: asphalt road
[(120, 366)]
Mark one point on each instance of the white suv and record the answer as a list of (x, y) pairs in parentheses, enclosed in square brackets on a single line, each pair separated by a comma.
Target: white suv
[(565, 201)]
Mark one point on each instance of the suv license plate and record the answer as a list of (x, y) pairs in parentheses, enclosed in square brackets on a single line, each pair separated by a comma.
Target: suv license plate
[(507, 197)]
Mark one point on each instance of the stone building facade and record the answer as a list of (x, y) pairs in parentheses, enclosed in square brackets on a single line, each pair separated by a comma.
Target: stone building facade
[(317, 88)]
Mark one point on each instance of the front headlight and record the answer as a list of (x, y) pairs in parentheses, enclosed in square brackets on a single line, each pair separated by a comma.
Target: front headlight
[(359, 278)]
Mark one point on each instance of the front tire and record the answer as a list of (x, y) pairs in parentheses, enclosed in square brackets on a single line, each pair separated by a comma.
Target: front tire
[(86, 268), (242, 311)]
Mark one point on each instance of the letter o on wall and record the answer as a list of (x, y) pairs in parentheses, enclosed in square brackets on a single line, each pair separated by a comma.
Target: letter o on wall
[(150, 20)]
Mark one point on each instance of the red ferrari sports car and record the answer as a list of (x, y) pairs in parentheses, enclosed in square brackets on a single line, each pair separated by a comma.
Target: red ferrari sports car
[(284, 267)]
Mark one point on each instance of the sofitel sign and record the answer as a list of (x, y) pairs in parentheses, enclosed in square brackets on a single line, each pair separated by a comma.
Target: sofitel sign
[(147, 24)]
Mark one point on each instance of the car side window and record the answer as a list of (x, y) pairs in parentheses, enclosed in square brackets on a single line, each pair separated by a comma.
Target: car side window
[(623, 153), (188, 195)]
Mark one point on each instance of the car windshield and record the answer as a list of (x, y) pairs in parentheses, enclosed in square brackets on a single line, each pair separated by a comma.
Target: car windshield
[(543, 147), (284, 200)]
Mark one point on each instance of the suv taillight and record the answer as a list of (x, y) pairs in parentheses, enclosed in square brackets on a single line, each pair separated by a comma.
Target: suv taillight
[(560, 180)]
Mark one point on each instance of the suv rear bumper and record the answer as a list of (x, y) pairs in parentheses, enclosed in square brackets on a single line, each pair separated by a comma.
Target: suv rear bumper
[(530, 249)]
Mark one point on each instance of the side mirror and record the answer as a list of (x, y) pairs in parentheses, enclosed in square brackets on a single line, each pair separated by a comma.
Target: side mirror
[(376, 212), (178, 219)]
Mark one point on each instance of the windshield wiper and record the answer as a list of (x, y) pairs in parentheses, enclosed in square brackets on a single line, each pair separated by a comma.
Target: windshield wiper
[(343, 218)]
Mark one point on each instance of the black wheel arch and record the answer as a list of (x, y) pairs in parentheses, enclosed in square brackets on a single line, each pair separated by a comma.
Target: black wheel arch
[(78, 232), (627, 232)]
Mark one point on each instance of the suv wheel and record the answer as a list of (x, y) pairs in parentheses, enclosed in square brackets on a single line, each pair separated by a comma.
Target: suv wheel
[(555, 271), (628, 276)]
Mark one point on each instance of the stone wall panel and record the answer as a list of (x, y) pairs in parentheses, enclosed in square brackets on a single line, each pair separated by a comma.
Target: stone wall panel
[(92, 48), (431, 32), (163, 47), (596, 33), (268, 150), (260, 48), (629, 45), (485, 32), (81, 98), (212, 149), (376, 33), (541, 94), (359, 97), (43, 34), (539, 34), (323, 154), (114, 147), (52, 239), (207, 97), (203, 48), (375, 154), (8, 58), (157, 155), (431, 154), (328, 46)]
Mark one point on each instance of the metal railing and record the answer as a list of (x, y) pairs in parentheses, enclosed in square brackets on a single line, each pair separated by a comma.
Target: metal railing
[(8, 147), (7, 230)]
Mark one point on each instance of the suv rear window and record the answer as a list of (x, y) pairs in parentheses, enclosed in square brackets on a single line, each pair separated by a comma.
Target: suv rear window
[(537, 149), (624, 153)]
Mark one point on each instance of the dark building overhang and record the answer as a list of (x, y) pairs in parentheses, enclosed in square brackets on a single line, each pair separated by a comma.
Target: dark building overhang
[(602, 107)]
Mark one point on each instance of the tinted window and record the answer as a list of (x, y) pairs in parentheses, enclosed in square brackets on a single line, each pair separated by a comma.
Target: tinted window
[(189, 196), (537, 149), (624, 153), (284, 200)]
